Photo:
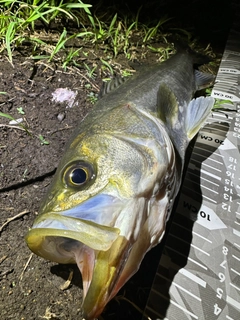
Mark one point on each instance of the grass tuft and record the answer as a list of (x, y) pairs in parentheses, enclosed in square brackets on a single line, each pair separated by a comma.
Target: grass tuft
[(24, 23)]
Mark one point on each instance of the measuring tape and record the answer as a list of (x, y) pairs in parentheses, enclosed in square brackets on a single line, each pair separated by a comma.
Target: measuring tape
[(198, 276)]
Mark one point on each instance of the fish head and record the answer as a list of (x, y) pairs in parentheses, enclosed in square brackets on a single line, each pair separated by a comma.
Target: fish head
[(106, 207)]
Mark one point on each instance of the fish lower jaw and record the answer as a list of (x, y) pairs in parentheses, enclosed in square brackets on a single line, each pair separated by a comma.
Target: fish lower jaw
[(100, 256)]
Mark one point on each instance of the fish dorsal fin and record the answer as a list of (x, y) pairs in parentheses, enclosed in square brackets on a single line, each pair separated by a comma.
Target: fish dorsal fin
[(197, 112), (167, 105), (111, 85), (203, 80)]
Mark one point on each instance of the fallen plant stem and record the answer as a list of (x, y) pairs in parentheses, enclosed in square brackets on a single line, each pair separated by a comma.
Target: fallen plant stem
[(11, 126), (67, 283), (19, 215), (132, 303), (2, 259), (25, 267)]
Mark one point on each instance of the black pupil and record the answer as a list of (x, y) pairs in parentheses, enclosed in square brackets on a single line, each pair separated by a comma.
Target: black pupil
[(78, 176)]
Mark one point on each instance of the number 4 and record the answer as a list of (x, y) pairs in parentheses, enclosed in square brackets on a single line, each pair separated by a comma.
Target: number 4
[(217, 309)]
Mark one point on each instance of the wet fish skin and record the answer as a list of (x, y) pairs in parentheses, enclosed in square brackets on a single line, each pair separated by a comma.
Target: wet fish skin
[(115, 185)]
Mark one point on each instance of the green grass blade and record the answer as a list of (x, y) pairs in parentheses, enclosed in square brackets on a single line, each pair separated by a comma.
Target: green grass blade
[(9, 37), (5, 115)]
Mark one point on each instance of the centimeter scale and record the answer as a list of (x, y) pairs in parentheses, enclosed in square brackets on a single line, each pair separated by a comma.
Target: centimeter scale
[(198, 276)]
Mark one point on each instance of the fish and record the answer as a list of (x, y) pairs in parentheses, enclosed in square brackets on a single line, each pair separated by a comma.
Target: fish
[(115, 185)]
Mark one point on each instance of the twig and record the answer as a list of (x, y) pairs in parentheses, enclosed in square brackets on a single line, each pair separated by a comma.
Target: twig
[(86, 78), (19, 215), (117, 298), (67, 283), (61, 129), (2, 259), (12, 126), (25, 267), (6, 272)]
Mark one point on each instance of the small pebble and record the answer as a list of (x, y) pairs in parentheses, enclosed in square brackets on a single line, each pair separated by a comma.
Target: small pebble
[(61, 116), (16, 121)]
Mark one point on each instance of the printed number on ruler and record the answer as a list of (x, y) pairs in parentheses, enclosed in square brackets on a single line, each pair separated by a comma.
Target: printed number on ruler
[(222, 278)]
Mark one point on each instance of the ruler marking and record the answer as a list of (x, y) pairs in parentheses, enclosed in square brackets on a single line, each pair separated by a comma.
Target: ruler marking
[(202, 149), (219, 155), (179, 225), (234, 286), (209, 181), (192, 245), (216, 192), (236, 245), (210, 159), (199, 264), (195, 247), (236, 232), (183, 255), (233, 302), (197, 175), (192, 181), (184, 309), (218, 115), (197, 234), (211, 175), (235, 271), (209, 199), (235, 257), (154, 311), (187, 291), (237, 223), (180, 287), (191, 189), (206, 165), (194, 232), (176, 304), (172, 235), (202, 155), (194, 278), (211, 167)]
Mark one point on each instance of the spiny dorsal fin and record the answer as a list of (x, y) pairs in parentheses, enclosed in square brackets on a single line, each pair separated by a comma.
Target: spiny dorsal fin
[(111, 85), (197, 112)]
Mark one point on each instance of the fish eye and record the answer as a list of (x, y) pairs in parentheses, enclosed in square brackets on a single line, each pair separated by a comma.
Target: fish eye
[(78, 174)]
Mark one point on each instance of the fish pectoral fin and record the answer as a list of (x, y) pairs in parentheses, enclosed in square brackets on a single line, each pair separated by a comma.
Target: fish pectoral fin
[(197, 112), (203, 80), (167, 105)]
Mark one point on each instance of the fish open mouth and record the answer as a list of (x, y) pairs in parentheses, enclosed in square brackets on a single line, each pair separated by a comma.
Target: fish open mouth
[(83, 223), (53, 225), (104, 254), (99, 251)]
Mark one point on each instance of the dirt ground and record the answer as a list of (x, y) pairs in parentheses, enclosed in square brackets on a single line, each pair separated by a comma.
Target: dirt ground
[(31, 287)]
